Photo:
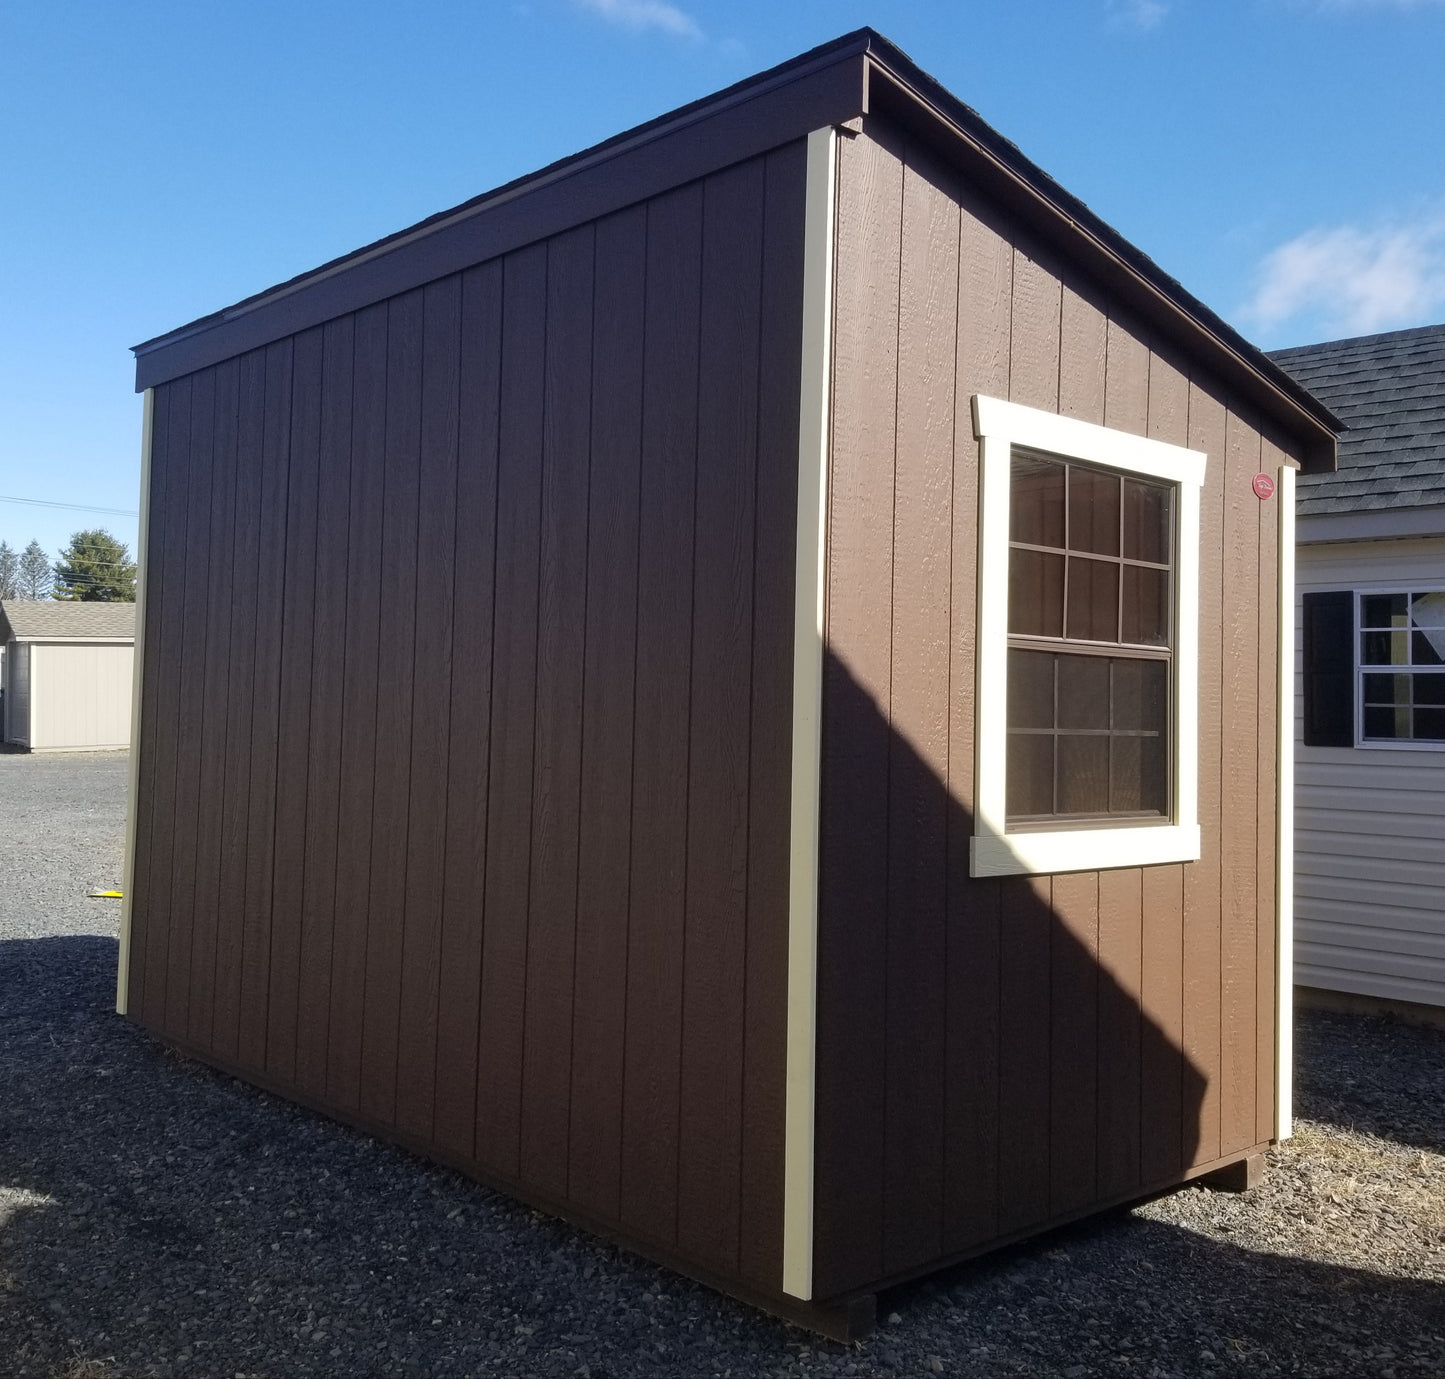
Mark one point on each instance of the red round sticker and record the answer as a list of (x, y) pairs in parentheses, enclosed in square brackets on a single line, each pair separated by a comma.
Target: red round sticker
[(1263, 486)]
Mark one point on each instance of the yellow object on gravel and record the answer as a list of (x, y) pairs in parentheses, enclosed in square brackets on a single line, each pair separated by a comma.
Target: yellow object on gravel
[(106, 895)]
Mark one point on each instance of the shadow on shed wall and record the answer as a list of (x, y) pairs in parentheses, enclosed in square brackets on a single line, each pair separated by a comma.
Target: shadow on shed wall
[(983, 1070)]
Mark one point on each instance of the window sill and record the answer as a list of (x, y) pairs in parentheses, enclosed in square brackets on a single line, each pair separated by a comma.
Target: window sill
[(1082, 849)]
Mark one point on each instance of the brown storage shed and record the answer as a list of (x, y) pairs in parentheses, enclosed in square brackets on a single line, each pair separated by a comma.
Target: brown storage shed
[(730, 689)]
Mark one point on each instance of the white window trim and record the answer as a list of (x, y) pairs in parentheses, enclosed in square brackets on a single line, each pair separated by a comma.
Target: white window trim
[(1386, 744), (999, 427)]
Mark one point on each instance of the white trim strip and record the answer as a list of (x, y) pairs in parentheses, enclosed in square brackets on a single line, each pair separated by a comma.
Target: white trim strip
[(995, 851), (808, 644), (1284, 844), (122, 974)]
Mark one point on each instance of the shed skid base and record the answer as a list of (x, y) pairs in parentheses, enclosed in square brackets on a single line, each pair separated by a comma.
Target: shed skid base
[(1237, 1177)]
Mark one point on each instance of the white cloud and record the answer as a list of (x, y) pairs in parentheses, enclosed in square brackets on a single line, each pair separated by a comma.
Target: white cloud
[(1354, 280), (1138, 14), (644, 14)]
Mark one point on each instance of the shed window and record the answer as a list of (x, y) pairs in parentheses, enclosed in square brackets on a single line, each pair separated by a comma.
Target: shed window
[(1087, 707), (1090, 660), (1402, 666)]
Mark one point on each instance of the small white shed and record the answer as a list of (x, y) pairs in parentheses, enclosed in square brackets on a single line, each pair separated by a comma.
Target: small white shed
[(1370, 764), (67, 674)]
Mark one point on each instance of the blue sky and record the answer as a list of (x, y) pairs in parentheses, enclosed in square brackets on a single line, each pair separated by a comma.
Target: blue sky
[(1282, 158)]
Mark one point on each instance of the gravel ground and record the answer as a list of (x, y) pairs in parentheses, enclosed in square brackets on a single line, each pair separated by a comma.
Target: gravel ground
[(158, 1218)]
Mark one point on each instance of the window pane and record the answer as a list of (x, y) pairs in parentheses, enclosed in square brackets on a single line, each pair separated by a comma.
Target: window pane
[(1387, 689), (1093, 511), (1145, 613), (1083, 774), (1035, 593), (1423, 644), (1430, 725), (1146, 521), (1030, 780), (1385, 649), (1387, 723), (1427, 612), (1429, 689), (1030, 689), (1384, 610), (1036, 501), (1093, 600), (1141, 695), (1139, 783), (1083, 692)]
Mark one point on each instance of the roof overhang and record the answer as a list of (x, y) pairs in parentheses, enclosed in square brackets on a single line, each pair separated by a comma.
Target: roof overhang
[(861, 74)]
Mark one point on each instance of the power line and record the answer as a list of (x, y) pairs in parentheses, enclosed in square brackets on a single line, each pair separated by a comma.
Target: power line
[(73, 507)]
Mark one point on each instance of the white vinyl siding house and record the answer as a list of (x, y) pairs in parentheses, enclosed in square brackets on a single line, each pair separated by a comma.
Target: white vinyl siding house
[(68, 674), (1370, 786)]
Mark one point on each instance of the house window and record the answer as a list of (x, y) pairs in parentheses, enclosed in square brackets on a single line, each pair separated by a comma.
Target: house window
[(1087, 710), (1402, 666), (1090, 656)]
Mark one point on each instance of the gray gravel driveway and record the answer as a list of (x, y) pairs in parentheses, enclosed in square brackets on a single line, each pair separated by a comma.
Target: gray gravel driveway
[(158, 1218)]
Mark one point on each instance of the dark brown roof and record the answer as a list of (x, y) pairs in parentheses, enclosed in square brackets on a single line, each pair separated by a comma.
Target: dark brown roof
[(25, 618), (1389, 390), (833, 84)]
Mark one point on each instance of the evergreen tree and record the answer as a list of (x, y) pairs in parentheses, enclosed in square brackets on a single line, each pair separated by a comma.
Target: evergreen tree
[(33, 574), (95, 568), (9, 572)]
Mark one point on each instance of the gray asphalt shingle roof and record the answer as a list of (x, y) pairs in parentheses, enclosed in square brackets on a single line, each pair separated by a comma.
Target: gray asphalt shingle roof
[(53, 618), (1389, 390)]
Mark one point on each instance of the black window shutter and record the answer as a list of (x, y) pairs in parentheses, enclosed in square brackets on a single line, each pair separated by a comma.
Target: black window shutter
[(1329, 669)]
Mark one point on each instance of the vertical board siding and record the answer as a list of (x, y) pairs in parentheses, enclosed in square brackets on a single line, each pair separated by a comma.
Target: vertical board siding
[(391, 821), (189, 715), (652, 1034), (1093, 1035), (265, 706), (557, 756), (918, 708), (216, 695), (470, 715), (231, 905), (416, 1059), (466, 715), (298, 626), (715, 933), (327, 690), (984, 315), (514, 674), (358, 710), (604, 842)]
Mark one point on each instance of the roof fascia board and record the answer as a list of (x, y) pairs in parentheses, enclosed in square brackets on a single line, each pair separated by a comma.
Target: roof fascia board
[(895, 92), (1386, 524), (702, 139)]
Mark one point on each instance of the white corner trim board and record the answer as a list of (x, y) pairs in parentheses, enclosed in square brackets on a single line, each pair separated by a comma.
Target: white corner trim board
[(1000, 426), (808, 632), (122, 973), (1284, 846)]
